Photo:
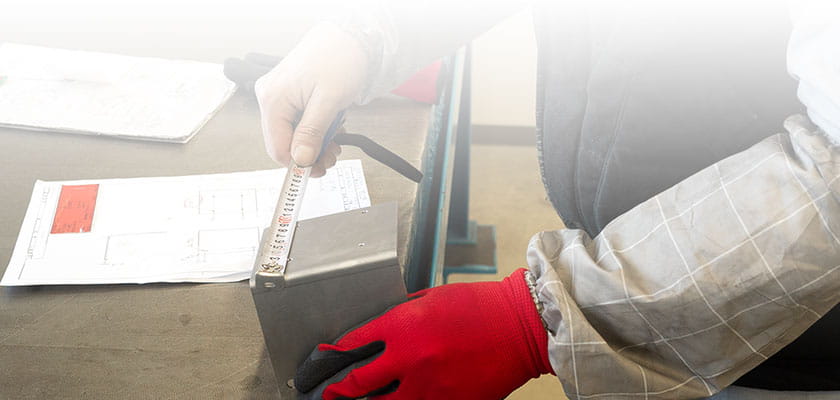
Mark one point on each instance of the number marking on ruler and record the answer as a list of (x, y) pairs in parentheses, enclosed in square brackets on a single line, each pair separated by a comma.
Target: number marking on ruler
[(282, 228)]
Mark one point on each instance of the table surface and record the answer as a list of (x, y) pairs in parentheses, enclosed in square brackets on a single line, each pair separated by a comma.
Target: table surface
[(161, 340)]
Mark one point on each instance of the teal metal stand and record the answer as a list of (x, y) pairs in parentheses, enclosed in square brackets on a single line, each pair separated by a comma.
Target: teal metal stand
[(425, 264), (470, 247), (440, 246)]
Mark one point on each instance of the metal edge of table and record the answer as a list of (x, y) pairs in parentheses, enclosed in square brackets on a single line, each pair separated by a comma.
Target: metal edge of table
[(424, 267)]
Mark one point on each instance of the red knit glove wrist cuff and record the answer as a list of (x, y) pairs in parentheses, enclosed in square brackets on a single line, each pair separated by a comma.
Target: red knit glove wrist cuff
[(530, 322)]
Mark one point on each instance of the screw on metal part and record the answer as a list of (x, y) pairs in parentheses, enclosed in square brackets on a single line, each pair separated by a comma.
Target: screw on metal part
[(362, 244), (271, 267), (290, 383), (269, 284)]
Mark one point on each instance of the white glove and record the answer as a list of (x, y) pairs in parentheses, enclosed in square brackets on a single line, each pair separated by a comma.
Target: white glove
[(300, 97)]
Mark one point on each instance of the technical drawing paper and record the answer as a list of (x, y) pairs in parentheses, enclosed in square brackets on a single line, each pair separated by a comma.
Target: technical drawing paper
[(108, 94), (200, 228)]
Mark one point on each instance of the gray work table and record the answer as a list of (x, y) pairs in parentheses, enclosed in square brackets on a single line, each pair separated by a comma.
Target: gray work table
[(164, 340)]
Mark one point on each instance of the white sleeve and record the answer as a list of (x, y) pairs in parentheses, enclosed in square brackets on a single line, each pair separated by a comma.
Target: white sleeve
[(814, 59)]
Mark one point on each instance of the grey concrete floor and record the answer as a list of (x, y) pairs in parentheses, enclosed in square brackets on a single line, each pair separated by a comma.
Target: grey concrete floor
[(506, 191)]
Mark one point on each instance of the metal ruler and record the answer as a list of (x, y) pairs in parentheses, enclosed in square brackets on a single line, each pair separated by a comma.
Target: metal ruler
[(277, 239)]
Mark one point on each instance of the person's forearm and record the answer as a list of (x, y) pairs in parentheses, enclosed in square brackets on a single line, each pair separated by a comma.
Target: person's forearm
[(361, 53), (691, 289), (401, 37)]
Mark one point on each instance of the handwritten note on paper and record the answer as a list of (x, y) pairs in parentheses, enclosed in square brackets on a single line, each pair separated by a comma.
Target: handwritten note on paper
[(200, 228)]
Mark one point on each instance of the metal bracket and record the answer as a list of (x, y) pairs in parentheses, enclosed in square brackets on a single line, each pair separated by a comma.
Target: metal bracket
[(342, 270)]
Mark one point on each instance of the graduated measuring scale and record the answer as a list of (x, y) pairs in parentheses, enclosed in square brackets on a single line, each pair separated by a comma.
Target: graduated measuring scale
[(277, 239)]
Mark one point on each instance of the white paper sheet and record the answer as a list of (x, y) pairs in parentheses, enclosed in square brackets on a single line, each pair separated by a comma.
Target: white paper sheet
[(108, 94), (200, 228)]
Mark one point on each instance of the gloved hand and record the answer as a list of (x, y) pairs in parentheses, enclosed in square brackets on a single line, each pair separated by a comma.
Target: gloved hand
[(458, 341), (301, 96)]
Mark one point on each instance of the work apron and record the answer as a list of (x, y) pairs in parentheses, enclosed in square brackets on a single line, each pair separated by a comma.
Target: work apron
[(632, 101)]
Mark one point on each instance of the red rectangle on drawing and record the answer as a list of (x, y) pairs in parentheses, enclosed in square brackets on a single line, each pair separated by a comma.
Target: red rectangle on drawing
[(74, 213)]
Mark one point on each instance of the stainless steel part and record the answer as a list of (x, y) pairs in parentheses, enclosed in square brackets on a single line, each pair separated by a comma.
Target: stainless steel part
[(342, 270)]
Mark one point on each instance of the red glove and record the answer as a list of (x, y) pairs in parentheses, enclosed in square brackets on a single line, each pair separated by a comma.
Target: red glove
[(459, 341)]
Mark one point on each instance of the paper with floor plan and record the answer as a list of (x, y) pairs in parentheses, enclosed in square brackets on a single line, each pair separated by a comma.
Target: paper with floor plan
[(92, 93), (200, 228)]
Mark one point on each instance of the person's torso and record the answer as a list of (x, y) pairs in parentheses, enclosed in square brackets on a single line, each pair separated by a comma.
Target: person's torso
[(633, 97)]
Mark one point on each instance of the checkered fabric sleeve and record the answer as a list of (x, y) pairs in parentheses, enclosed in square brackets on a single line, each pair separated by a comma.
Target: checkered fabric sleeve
[(691, 289)]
